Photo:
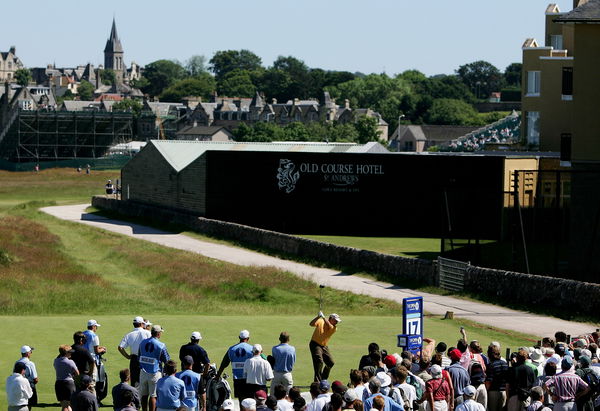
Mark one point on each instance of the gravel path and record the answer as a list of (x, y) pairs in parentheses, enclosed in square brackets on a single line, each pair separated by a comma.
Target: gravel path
[(434, 304)]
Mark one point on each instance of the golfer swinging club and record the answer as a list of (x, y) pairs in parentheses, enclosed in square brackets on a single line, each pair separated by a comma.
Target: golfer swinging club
[(324, 329)]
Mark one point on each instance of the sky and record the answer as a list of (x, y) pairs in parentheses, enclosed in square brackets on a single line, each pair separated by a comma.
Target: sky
[(376, 36)]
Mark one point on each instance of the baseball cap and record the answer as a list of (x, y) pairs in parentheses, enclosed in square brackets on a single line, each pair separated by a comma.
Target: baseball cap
[(196, 336), (435, 371), (469, 390), (324, 385), (228, 404), (256, 348), (260, 395), (350, 395), (244, 334), (138, 320), (390, 361), (338, 386), (157, 328), (92, 323), (335, 317), (455, 354), (26, 349), (249, 403), (566, 363), (187, 360)]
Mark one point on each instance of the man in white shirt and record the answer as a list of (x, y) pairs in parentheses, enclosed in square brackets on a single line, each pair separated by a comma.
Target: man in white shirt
[(18, 389), (257, 371), (30, 372), (132, 341)]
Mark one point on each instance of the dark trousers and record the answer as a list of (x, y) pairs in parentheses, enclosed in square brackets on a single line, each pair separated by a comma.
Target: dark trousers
[(239, 389), (134, 370), (34, 398), (322, 360)]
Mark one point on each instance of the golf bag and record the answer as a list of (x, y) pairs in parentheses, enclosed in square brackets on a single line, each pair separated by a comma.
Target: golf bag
[(102, 379), (217, 390)]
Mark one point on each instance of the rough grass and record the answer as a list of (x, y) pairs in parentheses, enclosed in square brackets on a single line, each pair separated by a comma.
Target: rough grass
[(115, 274)]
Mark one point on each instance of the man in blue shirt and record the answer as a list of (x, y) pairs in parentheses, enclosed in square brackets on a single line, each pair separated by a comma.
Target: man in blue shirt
[(170, 390), (152, 355), (193, 388), (285, 358), (237, 356), (390, 404)]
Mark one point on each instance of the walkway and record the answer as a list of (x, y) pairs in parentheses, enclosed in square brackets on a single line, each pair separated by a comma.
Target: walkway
[(434, 304)]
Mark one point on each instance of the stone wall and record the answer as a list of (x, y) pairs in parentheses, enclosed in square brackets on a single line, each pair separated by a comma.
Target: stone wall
[(575, 297), (400, 268)]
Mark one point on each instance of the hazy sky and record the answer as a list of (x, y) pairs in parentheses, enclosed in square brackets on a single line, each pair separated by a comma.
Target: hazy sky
[(433, 36)]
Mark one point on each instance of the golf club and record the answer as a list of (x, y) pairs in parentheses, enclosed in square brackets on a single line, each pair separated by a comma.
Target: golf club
[(321, 286)]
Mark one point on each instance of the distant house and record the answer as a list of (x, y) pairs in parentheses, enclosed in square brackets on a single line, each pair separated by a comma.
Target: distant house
[(204, 133), (9, 64), (419, 138)]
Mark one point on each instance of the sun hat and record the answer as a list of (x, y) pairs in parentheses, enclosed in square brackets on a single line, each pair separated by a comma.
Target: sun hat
[(384, 378)]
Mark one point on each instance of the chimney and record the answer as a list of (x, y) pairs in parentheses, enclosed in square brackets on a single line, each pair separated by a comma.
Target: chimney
[(577, 3), (12, 50), (346, 103)]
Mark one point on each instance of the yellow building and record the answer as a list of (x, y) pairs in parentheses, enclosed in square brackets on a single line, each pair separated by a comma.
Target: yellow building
[(561, 112)]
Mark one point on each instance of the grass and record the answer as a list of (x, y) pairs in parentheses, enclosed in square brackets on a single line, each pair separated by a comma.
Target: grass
[(55, 275), (426, 248), (46, 333)]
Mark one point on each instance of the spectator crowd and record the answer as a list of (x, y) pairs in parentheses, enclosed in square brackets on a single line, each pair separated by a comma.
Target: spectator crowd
[(557, 374)]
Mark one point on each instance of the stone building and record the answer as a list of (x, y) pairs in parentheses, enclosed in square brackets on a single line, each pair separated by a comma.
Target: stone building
[(9, 64), (231, 112)]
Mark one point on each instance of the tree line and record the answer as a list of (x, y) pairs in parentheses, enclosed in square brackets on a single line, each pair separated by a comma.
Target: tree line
[(439, 99)]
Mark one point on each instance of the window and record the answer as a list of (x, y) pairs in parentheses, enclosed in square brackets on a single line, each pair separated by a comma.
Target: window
[(408, 146), (556, 41), (533, 83), (567, 83), (533, 128)]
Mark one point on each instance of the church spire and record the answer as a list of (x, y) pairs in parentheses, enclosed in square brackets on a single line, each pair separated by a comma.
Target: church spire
[(113, 44)]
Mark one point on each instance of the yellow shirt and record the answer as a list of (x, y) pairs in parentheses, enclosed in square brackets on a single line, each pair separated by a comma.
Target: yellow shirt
[(322, 332)]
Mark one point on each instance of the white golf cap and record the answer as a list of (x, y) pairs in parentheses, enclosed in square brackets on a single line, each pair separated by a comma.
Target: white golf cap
[(138, 320), (257, 348), (25, 349), (196, 336), (92, 323), (384, 378), (248, 403), (244, 334), (335, 317), (228, 404)]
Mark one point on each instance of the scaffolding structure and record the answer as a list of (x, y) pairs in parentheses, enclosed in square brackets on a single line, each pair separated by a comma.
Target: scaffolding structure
[(34, 136)]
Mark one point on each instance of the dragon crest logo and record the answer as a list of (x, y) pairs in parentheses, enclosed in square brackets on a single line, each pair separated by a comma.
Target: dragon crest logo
[(287, 175)]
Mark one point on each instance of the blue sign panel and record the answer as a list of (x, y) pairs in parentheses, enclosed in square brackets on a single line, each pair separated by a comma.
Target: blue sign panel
[(412, 324)]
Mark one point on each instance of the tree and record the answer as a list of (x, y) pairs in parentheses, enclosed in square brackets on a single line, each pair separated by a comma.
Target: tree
[(85, 91), (195, 65), (367, 129), (446, 111), (226, 61), (202, 85), (23, 77), (512, 74), (481, 77), (162, 74), (237, 83), (128, 105), (108, 77)]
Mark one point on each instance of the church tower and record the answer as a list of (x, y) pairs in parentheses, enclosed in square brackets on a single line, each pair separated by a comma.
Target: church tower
[(113, 54)]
